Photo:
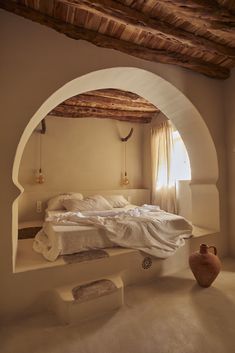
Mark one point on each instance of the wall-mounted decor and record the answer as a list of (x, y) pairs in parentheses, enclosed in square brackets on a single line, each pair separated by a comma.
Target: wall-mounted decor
[(40, 178), (125, 181)]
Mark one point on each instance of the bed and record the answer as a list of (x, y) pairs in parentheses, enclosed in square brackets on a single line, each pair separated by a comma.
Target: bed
[(146, 228)]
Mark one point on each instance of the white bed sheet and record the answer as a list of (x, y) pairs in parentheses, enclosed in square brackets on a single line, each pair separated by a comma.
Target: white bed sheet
[(76, 237), (146, 228), (58, 239)]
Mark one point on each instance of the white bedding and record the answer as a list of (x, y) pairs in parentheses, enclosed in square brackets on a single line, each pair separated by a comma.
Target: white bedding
[(144, 228), (51, 214)]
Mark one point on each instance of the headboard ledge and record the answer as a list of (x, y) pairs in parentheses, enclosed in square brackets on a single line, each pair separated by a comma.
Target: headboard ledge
[(27, 201)]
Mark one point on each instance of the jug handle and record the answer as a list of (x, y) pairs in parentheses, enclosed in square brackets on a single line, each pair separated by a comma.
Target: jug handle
[(214, 248)]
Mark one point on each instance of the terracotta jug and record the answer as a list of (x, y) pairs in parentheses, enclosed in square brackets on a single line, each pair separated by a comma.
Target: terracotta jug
[(205, 265)]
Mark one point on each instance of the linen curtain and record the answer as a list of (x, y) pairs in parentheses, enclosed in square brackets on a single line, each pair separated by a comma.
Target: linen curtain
[(163, 181)]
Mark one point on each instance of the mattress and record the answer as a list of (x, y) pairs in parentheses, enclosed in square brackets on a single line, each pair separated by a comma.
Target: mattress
[(75, 238)]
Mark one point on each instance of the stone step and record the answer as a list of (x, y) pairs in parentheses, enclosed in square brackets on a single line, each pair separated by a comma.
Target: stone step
[(79, 302)]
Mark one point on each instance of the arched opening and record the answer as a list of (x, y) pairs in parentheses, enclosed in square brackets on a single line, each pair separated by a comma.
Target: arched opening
[(174, 105)]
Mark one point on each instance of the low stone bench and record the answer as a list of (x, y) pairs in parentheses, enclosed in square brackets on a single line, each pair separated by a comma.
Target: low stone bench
[(76, 303)]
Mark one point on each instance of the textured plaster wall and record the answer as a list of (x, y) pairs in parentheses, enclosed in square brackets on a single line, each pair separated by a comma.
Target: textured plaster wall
[(36, 61), (229, 105), (75, 156)]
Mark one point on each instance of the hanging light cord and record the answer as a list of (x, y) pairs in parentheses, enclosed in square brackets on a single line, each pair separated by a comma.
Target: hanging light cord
[(40, 153)]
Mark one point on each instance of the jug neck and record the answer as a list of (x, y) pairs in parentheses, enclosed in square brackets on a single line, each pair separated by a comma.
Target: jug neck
[(203, 249)]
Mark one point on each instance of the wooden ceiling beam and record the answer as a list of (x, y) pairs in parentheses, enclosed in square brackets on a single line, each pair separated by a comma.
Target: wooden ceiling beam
[(107, 104), (78, 111), (205, 18), (128, 16), (84, 100), (173, 40), (118, 94), (157, 55), (119, 118)]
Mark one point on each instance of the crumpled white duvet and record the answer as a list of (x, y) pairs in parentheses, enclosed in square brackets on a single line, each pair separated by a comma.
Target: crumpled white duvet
[(146, 228)]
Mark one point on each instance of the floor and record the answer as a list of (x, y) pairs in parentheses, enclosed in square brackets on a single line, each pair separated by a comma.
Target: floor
[(169, 315)]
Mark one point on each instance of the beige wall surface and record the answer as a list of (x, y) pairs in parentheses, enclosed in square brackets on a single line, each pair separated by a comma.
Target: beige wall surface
[(229, 103), (82, 154), (35, 61)]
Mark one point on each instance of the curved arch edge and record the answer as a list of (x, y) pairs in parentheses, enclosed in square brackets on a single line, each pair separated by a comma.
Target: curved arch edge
[(174, 104)]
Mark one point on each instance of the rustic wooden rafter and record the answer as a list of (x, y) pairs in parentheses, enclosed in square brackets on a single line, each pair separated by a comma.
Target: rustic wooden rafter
[(195, 34), (77, 111), (112, 102), (107, 104), (203, 18), (124, 15), (124, 116)]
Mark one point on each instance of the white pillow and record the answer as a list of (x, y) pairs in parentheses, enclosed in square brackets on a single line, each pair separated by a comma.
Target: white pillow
[(92, 203), (117, 200), (56, 203)]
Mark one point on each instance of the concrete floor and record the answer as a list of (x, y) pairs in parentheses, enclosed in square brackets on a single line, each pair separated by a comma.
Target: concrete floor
[(171, 315)]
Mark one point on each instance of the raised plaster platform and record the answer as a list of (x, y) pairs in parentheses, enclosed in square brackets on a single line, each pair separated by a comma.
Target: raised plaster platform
[(27, 259)]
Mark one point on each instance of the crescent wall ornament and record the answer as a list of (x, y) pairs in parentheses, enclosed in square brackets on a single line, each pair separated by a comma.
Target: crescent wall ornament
[(125, 181), (125, 139)]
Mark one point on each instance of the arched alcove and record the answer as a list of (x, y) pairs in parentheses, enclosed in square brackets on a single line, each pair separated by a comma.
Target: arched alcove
[(175, 105)]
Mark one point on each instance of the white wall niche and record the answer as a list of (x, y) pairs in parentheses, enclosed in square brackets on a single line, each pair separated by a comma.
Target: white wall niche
[(174, 104)]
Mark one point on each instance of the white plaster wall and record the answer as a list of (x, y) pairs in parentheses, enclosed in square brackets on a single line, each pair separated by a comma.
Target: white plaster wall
[(184, 199), (229, 104), (35, 61)]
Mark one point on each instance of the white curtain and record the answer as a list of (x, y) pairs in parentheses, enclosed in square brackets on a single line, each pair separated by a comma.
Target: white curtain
[(163, 183)]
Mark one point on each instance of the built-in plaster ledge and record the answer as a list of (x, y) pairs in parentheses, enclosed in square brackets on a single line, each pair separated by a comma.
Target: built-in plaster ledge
[(201, 232), (27, 259)]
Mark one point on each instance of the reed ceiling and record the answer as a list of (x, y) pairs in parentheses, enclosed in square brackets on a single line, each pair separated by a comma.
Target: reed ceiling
[(195, 34), (107, 104)]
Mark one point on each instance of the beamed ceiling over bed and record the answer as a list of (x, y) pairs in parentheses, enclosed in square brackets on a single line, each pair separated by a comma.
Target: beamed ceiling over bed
[(107, 104), (195, 34)]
